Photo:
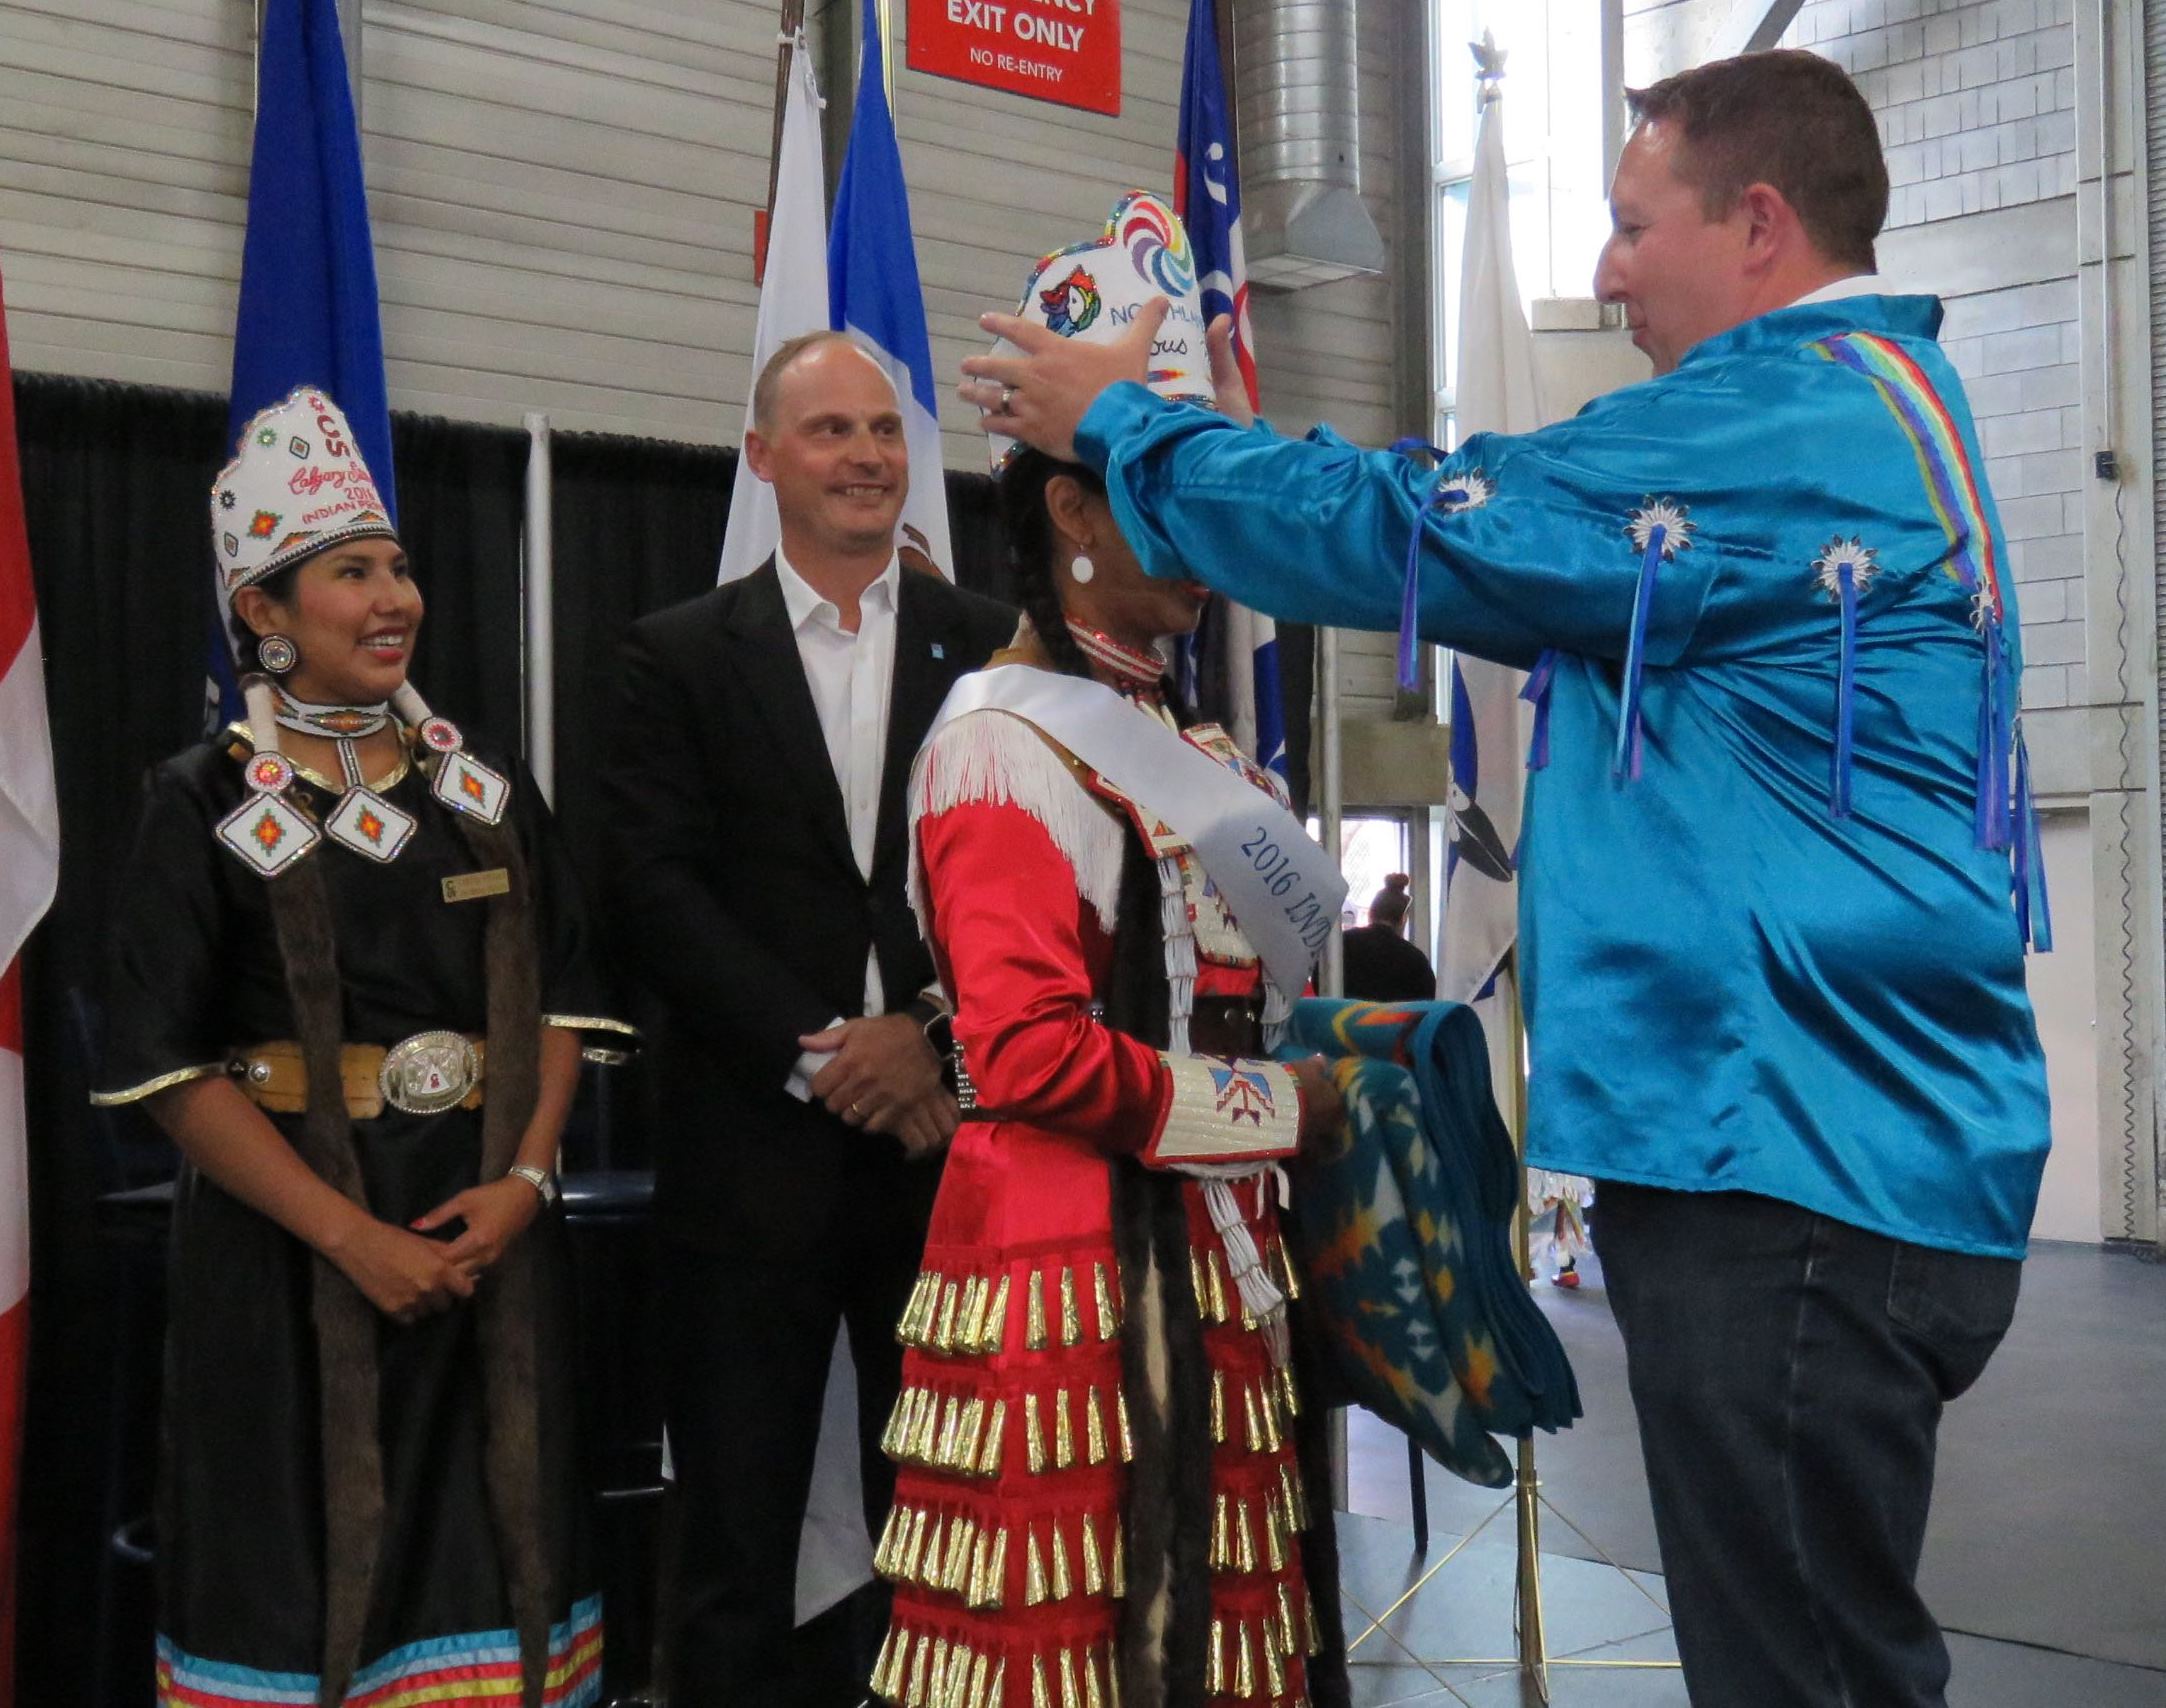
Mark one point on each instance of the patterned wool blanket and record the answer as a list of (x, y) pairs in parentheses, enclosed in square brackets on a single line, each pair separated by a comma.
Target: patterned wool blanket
[(1402, 1224)]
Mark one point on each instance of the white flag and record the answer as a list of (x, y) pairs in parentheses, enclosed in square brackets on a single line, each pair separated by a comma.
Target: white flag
[(873, 291), (793, 300), (1490, 723)]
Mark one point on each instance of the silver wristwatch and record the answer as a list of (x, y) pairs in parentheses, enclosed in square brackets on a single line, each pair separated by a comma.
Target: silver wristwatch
[(540, 1179)]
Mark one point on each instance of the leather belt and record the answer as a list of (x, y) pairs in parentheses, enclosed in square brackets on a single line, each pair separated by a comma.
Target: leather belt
[(1226, 1026), (422, 1075)]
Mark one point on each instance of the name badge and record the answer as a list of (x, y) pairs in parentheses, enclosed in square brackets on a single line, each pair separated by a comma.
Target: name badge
[(473, 886)]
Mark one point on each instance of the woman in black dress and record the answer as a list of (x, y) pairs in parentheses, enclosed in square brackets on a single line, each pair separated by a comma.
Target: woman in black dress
[(1380, 964), (346, 977)]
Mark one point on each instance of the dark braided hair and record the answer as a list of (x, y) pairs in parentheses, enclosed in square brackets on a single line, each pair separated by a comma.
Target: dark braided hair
[(1165, 1509), (1033, 543), (1136, 995), (1035, 552)]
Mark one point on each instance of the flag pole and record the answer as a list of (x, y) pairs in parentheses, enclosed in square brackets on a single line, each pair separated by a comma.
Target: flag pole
[(887, 59), (793, 20), (537, 591), (1533, 1636), (1331, 973), (1528, 1500)]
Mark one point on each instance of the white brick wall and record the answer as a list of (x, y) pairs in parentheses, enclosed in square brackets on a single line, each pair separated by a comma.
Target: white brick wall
[(1977, 102), (2017, 352), (1977, 110)]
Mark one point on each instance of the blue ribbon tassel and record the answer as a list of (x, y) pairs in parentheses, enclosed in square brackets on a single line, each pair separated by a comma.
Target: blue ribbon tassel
[(1626, 762), (1996, 736), (2007, 813), (1846, 688), (1410, 585), (1536, 694), (2034, 913)]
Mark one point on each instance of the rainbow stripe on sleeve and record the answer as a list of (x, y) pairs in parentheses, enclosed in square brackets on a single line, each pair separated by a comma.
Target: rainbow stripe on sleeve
[(1943, 459)]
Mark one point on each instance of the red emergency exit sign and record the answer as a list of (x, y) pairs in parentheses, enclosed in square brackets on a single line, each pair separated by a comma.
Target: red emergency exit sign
[(1067, 51)]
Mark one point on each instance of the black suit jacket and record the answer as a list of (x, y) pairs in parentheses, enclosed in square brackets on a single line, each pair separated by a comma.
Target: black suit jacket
[(738, 902)]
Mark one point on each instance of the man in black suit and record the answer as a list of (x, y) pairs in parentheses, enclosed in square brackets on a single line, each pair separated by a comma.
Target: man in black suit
[(759, 833)]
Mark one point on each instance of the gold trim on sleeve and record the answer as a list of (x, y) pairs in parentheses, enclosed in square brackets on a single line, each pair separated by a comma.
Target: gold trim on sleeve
[(151, 1087)]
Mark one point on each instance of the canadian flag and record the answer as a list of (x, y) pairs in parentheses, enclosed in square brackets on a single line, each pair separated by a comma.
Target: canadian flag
[(29, 867)]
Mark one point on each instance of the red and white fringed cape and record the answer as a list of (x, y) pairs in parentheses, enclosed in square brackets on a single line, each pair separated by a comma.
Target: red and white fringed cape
[(1012, 1544)]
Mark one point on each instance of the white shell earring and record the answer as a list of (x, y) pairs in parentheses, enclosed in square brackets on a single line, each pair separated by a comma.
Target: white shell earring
[(1082, 568)]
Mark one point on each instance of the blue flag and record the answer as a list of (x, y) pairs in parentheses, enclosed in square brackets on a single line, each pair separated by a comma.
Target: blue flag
[(308, 266), (1207, 196), (1207, 187), (873, 290)]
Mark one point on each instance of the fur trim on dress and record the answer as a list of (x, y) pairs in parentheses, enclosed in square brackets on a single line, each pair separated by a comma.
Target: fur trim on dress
[(345, 1321), (508, 1309), (997, 757)]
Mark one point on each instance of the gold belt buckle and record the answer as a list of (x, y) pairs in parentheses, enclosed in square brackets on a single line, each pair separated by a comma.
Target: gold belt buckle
[(428, 1073)]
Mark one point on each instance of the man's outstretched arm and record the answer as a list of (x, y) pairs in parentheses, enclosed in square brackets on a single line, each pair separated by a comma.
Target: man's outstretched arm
[(1523, 541)]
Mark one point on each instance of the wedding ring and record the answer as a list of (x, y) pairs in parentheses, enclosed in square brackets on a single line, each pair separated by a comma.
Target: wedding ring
[(1007, 399)]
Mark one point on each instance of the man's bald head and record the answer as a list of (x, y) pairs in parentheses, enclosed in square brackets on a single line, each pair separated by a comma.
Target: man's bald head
[(767, 388)]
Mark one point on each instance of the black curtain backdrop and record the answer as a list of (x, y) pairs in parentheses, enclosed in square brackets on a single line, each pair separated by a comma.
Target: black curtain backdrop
[(462, 510), (981, 543), (638, 526), (116, 484)]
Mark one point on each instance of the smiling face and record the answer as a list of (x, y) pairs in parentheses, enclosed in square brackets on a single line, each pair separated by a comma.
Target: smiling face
[(833, 450), (1681, 276), (353, 613)]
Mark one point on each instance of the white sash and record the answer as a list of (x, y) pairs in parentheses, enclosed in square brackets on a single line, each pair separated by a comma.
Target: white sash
[(1278, 883)]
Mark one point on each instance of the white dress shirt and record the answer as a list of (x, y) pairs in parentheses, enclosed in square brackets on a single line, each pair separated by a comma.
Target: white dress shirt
[(850, 676), (1856, 285)]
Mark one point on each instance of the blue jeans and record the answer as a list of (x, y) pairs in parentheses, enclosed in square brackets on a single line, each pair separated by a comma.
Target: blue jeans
[(1789, 1373)]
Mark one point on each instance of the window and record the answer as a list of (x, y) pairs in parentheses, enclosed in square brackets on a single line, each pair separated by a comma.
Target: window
[(1370, 848), (1555, 103), (1556, 95)]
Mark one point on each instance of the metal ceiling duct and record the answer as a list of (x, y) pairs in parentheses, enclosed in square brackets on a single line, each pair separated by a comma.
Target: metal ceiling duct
[(1297, 78)]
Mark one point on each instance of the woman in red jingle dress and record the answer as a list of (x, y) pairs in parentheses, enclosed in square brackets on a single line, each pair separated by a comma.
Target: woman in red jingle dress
[(1099, 1414)]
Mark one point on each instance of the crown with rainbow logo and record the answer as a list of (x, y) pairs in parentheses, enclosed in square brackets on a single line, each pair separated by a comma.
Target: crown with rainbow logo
[(1093, 291)]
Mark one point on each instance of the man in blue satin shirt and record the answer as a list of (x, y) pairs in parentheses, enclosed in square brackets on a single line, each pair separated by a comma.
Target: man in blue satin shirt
[(1780, 860)]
